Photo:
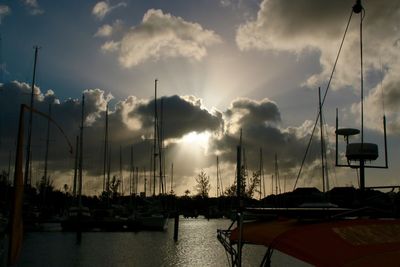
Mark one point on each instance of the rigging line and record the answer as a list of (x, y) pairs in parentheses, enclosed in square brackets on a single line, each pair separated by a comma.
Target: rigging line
[(382, 90), (323, 99)]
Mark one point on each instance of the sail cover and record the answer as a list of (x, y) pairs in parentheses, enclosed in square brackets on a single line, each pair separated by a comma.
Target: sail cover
[(356, 242)]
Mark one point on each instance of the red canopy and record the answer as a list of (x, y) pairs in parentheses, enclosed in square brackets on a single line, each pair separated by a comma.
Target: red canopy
[(358, 242)]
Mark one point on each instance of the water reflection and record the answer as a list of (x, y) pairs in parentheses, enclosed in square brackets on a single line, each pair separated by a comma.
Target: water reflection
[(197, 246)]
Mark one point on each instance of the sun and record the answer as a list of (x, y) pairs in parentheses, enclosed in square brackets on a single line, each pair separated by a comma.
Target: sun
[(199, 140), (196, 138)]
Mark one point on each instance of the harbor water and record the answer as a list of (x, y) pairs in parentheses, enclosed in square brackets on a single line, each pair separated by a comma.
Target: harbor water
[(197, 245)]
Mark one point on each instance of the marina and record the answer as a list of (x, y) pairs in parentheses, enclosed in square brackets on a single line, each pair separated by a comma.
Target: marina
[(246, 185)]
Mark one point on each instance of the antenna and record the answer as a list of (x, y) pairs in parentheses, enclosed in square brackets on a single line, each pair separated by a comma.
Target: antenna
[(359, 152)]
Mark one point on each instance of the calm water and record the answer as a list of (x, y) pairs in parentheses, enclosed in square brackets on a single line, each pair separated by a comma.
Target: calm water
[(197, 246)]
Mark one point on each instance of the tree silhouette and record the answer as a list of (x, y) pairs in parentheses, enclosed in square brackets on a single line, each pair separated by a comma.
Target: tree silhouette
[(203, 184), (251, 187), (187, 192)]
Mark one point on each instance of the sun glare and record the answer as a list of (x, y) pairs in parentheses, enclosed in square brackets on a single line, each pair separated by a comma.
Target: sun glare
[(196, 139)]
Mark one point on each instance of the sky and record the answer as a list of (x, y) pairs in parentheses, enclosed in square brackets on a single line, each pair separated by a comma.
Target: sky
[(221, 65)]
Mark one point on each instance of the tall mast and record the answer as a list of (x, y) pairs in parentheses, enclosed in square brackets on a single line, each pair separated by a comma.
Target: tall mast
[(105, 150), (1, 83), (150, 171), (46, 157), (172, 178), (155, 137), (108, 172), (76, 166), (277, 182), (28, 147), (120, 171), (137, 181), (131, 173), (218, 189), (145, 181), (1, 61), (81, 153), (322, 140), (160, 148), (262, 182), (9, 167)]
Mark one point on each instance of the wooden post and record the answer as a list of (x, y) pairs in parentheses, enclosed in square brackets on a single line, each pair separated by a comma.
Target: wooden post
[(176, 226)]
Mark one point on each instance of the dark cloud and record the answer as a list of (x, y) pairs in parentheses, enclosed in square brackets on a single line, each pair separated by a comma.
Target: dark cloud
[(250, 112), (130, 122), (260, 125), (131, 128), (180, 116)]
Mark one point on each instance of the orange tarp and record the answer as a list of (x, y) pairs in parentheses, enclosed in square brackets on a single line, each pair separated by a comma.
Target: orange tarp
[(358, 242)]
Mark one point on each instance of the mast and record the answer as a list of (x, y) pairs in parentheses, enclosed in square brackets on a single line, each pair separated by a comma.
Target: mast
[(145, 181), (108, 172), (9, 167), (131, 173), (172, 178), (155, 137), (137, 181), (160, 148), (1, 61), (81, 153), (76, 166), (239, 218), (27, 181), (1, 83), (120, 171), (150, 171), (322, 140), (46, 157), (218, 189), (277, 182), (105, 150), (262, 182)]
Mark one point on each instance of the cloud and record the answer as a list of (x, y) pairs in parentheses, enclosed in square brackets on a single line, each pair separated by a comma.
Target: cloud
[(259, 122), (104, 31), (162, 35), (130, 122), (34, 8), (180, 116), (384, 98), (102, 8), (110, 46), (4, 11), (312, 25), (131, 126), (107, 30), (244, 112)]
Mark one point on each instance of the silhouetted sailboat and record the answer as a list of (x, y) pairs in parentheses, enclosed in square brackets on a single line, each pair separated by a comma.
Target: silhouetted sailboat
[(78, 217), (358, 237), (154, 218)]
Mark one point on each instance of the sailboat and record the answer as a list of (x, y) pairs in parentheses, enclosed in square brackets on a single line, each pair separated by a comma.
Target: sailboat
[(358, 237), (151, 216), (78, 217)]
